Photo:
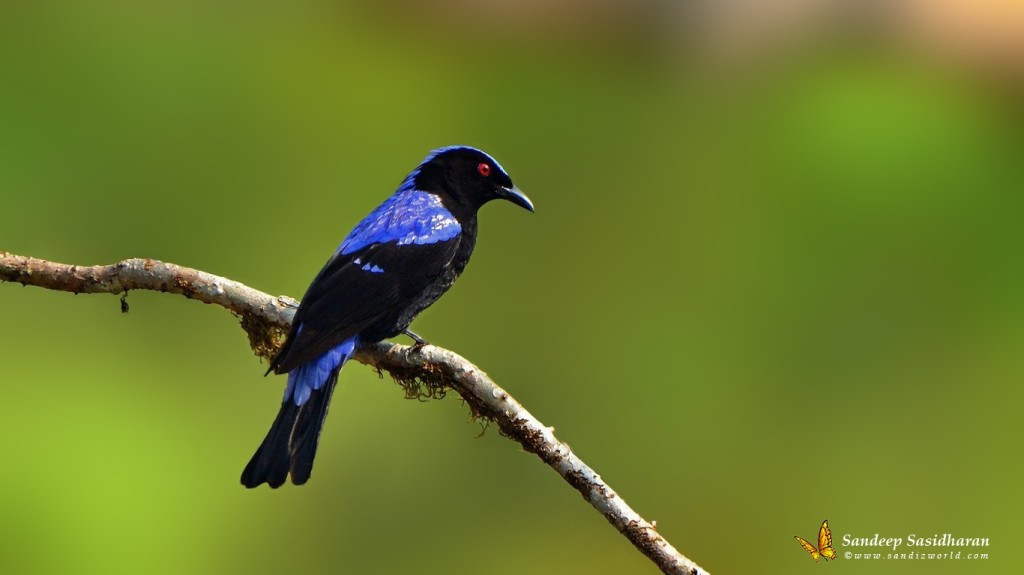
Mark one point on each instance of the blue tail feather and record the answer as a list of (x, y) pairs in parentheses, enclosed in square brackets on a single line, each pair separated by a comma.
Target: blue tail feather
[(291, 443), (306, 378)]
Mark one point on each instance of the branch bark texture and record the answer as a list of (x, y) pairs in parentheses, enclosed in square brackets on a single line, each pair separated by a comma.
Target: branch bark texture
[(423, 371)]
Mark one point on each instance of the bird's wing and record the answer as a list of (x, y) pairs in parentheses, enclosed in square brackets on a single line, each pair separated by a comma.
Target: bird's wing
[(383, 265), (355, 290)]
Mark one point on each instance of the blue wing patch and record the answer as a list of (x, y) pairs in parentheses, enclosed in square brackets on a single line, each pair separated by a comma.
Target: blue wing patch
[(410, 216), (368, 267)]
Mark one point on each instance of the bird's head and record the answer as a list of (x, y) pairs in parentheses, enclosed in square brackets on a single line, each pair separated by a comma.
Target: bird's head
[(468, 177)]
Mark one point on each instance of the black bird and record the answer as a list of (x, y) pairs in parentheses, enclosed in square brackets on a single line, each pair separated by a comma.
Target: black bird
[(389, 268)]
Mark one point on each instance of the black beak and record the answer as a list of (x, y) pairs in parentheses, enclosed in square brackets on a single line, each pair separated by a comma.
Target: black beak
[(516, 197)]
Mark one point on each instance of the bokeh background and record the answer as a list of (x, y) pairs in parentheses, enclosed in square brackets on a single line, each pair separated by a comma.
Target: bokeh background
[(775, 276)]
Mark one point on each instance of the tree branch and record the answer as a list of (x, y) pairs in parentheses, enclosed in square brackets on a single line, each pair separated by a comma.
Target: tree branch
[(424, 371)]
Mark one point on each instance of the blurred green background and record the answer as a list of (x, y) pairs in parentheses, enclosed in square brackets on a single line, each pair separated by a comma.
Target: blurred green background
[(775, 276)]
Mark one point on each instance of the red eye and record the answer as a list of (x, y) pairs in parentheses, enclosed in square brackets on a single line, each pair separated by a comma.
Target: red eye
[(484, 169)]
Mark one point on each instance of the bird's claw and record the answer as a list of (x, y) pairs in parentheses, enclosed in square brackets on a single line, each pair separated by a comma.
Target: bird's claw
[(418, 341)]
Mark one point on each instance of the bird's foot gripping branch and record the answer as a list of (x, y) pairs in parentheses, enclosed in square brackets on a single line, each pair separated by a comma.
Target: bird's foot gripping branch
[(265, 317)]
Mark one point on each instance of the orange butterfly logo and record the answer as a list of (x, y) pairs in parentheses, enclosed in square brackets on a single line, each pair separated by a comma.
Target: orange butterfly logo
[(824, 548)]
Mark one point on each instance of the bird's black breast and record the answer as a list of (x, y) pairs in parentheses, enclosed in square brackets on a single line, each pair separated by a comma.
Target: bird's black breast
[(391, 326)]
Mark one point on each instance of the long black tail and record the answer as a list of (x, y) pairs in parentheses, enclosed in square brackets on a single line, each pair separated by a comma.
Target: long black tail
[(290, 445)]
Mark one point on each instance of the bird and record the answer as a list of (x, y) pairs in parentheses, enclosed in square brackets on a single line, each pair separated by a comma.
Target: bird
[(394, 263)]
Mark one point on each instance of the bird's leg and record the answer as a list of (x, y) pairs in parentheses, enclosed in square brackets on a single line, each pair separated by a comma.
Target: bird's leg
[(420, 342)]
